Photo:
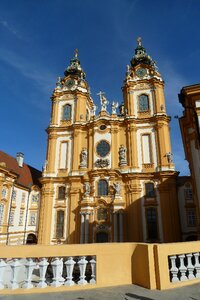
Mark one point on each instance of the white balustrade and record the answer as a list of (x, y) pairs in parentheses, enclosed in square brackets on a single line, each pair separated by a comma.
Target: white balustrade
[(174, 269), (197, 264), (57, 266), (3, 266), (30, 266), (43, 264), (190, 266), (15, 265), (182, 268), (69, 268), (82, 267), (93, 268), (16, 269)]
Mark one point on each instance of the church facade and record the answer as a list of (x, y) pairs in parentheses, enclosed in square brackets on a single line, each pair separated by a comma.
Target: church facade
[(109, 177)]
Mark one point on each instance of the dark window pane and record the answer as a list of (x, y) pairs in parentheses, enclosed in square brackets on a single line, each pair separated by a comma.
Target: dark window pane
[(102, 187), (67, 112), (152, 223), (60, 224), (149, 187), (143, 103), (61, 192)]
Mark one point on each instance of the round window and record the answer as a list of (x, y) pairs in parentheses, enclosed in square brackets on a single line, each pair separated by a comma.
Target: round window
[(102, 127), (103, 148)]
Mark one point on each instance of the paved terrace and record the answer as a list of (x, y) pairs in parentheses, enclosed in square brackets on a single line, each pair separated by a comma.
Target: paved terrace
[(125, 292)]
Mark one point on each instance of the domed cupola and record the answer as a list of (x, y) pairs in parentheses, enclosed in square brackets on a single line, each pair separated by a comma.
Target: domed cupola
[(75, 68), (141, 56)]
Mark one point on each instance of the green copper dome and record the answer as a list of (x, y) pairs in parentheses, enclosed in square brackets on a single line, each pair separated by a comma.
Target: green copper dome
[(75, 68), (141, 56)]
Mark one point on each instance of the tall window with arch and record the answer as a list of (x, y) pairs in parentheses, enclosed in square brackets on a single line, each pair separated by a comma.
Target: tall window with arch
[(102, 187), (143, 103), (1, 213), (60, 224), (66, 115), (149, 190), (152, 226)]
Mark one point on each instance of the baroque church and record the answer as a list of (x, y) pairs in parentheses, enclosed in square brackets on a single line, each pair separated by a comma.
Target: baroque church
[(109, 177)]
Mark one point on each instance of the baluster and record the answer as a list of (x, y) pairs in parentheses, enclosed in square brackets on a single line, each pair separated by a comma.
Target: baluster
[(43, 264), (190, 266), (182, 268), (82, 267), (57, 266), (3, 266), (30, 266), (69, 268), (15, 266), (93, 267), (174, 269), (197, 264)]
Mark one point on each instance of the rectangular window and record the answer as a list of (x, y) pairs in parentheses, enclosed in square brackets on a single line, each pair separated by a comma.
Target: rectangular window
[(14, 195), (152, 227), (188, 194), (63, 155), (146, 149), (32, 220), (191, 218), (61, 192), (21, 218), (34, 198), (60, 224), (149, 190), (11, 218), (23, 197)]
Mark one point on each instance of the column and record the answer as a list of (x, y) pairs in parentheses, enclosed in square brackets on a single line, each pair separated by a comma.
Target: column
[(82, 228), (86, 226), (121, 227), (115, 227)]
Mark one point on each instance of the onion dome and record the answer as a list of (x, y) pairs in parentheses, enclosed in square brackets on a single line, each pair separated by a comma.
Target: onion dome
[(141, 56), (75, 68)]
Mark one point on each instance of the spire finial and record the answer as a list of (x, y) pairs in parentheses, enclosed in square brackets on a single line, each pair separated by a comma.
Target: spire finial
[(139, 41), (76, 53)]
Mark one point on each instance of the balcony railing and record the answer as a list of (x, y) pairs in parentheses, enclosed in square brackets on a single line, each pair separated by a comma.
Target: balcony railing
[(42, 272)]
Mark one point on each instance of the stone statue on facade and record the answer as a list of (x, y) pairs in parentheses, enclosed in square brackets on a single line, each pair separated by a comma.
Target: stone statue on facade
[(104, 102), (114, 107), (59, 83), (86, 189), (44, 168), (117, 188), (93, 110), (122, 156), (84, 155), (169, 157)]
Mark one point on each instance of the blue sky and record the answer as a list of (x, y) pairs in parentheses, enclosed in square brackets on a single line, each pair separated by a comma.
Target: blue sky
[(38, 39)]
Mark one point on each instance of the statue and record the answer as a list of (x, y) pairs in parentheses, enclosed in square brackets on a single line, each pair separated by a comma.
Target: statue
[(117, 188), (44, 168), (86, 188), (103, 100), (114, 108), (122, 156), (93, 111), (139, 41), (169, 157), (59, 83), (83, 163)]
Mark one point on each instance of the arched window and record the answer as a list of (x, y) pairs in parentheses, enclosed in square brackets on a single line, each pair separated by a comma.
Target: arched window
[(61, 192), (66, 116), (143, 103), (102, 187), (60, 224), (149, 189), (1, 213), (152, 229)]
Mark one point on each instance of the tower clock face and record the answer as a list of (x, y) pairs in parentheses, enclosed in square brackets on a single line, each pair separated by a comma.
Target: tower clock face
[(141, 72), (70, 83)]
